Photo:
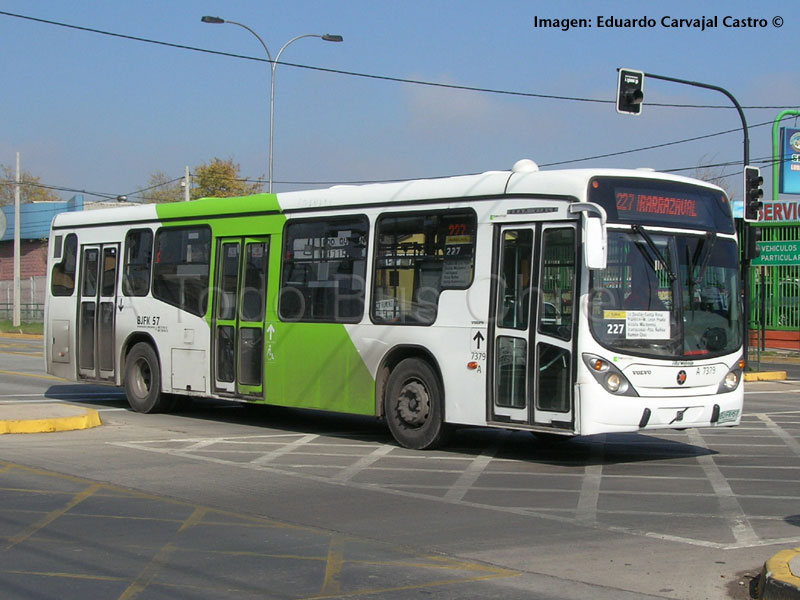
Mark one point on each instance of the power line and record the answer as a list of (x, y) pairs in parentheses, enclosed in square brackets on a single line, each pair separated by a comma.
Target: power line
[(363, 182), (368, 75), (45, 211), (386, 78)]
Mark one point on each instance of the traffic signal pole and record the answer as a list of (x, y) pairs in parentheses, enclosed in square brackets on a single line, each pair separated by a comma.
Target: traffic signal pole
[(745, 226), (717, 89)]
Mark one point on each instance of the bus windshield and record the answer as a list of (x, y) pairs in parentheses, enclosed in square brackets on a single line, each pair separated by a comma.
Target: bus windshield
[(667, 295)]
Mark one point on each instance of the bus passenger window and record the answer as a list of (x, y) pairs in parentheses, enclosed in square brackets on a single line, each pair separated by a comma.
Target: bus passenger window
[(418, 256), (62, 281), (180, 269), (324, 269), (136, 268)]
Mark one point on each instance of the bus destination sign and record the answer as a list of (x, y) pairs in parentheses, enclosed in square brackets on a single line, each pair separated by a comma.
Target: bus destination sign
[(633, 202), (670, 204)]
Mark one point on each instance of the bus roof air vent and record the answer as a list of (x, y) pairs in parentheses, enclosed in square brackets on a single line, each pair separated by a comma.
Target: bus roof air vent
[(525, 165)]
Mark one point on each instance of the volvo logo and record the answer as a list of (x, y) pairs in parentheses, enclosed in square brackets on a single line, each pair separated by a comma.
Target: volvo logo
[(681, 377)]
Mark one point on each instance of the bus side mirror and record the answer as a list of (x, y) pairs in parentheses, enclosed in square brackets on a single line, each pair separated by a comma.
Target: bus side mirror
[(595, 240), (595, 243)]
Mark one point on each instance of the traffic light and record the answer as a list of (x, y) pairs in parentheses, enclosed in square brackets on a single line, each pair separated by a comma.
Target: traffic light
[(630, 92), (753, 237), (752, 193)]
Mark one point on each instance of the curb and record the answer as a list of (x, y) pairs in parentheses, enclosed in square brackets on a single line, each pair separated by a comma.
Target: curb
[(766, 376), (778, 580), (47, 418)]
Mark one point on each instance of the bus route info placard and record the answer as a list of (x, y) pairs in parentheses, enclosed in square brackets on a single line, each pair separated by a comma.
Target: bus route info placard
[(640, 324)]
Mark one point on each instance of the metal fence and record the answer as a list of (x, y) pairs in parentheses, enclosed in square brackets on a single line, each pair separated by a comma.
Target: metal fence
[(29, 313), (776, 288), (32, 293)]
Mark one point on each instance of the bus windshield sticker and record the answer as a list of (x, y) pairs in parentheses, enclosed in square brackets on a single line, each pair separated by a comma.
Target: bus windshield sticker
[(647, 324), (456, 273)]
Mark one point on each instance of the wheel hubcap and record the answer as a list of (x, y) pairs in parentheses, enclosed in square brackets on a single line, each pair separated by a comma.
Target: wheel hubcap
[(143, 379), (414, 403)]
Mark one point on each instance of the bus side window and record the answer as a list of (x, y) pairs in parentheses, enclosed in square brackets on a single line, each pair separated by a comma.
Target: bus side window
[(417, 256), (180, 270), (62, 281), (324, 269), (136, 268)]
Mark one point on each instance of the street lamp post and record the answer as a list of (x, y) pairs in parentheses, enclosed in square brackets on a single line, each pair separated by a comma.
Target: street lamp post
[(273, 65)]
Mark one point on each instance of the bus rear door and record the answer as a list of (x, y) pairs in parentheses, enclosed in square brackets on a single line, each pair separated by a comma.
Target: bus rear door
[(97, 311), (240, 301)]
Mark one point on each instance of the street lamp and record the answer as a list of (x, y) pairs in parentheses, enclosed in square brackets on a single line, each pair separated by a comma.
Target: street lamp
[(273, 63)]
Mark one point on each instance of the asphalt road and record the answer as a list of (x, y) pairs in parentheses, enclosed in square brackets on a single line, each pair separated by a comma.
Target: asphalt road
[(221, 501)]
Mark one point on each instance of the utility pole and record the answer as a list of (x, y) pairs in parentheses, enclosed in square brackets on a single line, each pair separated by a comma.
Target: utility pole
[(187, 184), (15, 320)]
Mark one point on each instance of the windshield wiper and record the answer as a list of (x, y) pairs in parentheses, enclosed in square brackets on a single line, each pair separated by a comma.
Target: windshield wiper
[(706, 245), (655, 249)]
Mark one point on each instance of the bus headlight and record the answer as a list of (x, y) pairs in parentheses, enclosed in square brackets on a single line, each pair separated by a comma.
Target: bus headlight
[(613, 382), (731, 381), (609, 376)]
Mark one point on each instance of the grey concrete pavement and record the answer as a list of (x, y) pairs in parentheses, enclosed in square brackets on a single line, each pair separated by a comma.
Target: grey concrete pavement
[(333, 557)]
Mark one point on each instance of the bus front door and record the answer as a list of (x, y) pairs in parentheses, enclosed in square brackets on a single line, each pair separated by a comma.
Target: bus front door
[(533, 331), (240, 300), (96, 311)]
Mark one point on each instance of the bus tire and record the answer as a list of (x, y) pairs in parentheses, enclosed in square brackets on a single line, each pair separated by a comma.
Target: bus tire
[(414, 405), (143, 380)]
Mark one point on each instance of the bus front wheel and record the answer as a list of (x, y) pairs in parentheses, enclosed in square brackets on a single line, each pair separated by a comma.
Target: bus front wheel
[(143, 380), (414, 405)]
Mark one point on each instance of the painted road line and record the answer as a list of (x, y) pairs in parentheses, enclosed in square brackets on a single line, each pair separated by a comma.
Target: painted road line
[(730, 508)]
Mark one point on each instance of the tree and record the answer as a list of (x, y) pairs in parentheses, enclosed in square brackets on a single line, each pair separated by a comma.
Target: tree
[(161, 188), (713, 174), (31, 189), (220, 178)]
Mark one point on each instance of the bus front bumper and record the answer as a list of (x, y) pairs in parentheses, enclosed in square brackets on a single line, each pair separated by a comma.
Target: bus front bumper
[(606, 413)]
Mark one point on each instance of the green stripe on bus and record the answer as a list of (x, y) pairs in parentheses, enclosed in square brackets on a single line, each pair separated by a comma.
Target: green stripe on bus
[(307, 365), (316, 365), (210, 207)]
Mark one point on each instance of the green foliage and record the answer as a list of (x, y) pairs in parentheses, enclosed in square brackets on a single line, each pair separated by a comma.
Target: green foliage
[(217, 178), (220, 179), (31, 189)]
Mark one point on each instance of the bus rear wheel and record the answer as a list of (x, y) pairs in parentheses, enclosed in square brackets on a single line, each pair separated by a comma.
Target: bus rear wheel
[(414, 405), (143, 380)]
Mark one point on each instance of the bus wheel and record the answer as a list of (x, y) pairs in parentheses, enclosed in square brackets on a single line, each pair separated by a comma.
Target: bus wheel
[(143, 380), (414, 405)]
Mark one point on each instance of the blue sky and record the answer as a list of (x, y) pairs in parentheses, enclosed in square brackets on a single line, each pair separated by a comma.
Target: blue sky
[(100, 113)]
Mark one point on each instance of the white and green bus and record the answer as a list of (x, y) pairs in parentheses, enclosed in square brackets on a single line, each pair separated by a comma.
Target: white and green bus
[(571, 302)]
